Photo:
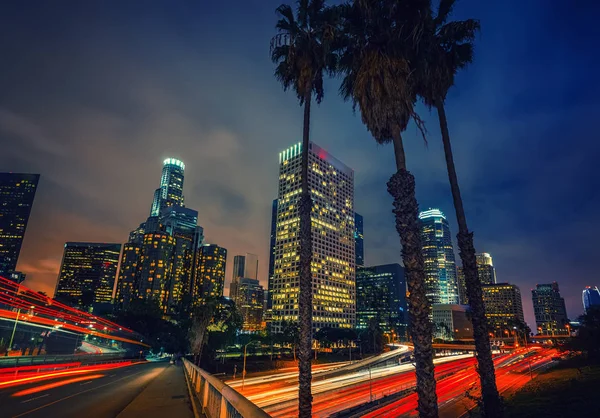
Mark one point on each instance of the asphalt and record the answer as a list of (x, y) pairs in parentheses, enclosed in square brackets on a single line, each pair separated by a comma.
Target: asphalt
[(105, 394)]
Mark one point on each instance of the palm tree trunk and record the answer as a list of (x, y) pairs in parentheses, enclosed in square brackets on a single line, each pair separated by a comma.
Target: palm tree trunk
[(492, 404), (402, 188), (305, 297)]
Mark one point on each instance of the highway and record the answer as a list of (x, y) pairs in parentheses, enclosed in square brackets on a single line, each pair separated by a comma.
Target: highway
[(94, 392)]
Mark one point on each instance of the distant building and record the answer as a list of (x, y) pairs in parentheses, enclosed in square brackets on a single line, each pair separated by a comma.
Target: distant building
[(250, 302), (381, 294), (591, 297), (549, 309), (210, 273), (244, 267), (438, 255), (332, 218), (485, 272), (451, 322), (170, 192), (503, 306), (17, 192), (87, 273), (359, 247)]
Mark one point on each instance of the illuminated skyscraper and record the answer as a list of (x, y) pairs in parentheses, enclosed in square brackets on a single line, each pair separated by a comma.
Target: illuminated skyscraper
[(210, 273), (155, 268), (272, 242), (333, 263), (381, 294), (243, 267), (485, 272), (438, 254), (359, 248), (503, 305), (87, 273), (591, 297), (16, 199), (549, 309), (250, 302), (170, 191)]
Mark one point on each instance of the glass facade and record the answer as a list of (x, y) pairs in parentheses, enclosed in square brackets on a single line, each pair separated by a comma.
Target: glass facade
[(272, 242), (485, 272), (381, 294), (438, 255), (87, 273), (17, 192), (170, 192), (549, 309), (333, 265), (359, 248), (250, 302), (591, 297)]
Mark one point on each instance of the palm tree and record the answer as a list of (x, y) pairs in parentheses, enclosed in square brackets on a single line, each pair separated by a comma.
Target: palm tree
[(303, 52), (379, 38), (447, 47)]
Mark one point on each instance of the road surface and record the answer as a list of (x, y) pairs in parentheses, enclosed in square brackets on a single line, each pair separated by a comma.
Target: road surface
[(99, 393)]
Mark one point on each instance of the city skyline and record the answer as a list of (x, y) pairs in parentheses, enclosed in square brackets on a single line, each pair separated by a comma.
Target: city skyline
[(97, 189)]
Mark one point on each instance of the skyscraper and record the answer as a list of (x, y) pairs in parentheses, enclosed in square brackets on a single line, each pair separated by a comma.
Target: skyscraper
[(87, 273), (591, 297), (210, 273), (272, 242), (503, 305), (250, 302), (160, 258), (244, 266), (381, 294), (170, 191), (17, 192), (485, 272), (438, 254), (359, 248), (549, 309), (333, 263)]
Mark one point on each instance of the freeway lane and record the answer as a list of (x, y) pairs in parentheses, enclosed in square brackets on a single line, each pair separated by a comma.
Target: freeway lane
[(97, 394)]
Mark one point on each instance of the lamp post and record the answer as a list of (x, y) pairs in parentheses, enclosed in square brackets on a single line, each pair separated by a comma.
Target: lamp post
[(12, 337)]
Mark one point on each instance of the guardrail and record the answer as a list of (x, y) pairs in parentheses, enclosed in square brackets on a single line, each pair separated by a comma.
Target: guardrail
[(14, 361), (217, 399)]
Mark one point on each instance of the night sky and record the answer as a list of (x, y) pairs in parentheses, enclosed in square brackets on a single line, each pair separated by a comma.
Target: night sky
[(95, 94)]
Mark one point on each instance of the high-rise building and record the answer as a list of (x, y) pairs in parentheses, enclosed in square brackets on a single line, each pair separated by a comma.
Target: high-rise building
[(359, 248), (503, 305), (250, 302), (155, 267), (244, 266), (549, 309), (333, 263), (381, 294), (485, 272), (451, 322), (87, 273), (272, 252), (17, 192), (438, 255), (159, 260), (210, 273), (170, 192), (591, 297)]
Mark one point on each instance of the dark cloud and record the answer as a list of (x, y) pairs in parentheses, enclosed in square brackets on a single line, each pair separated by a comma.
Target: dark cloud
[(95, 95)]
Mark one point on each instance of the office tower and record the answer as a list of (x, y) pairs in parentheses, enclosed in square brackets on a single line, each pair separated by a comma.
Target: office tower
[(243, 267), (503, 306), (210, 272), (438, 254), (155, 267), (381, 294), (359, 249), (272, 242), (549, 309), (332, 218), (591, 297), (485, 272), (250, 302), (170, 192), (127, 284), (17, 192), (451, 322), (87, 273)]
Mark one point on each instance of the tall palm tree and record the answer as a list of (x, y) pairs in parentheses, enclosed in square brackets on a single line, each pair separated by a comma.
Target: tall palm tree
[(446, 48), (303, 52), (377, 47)]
